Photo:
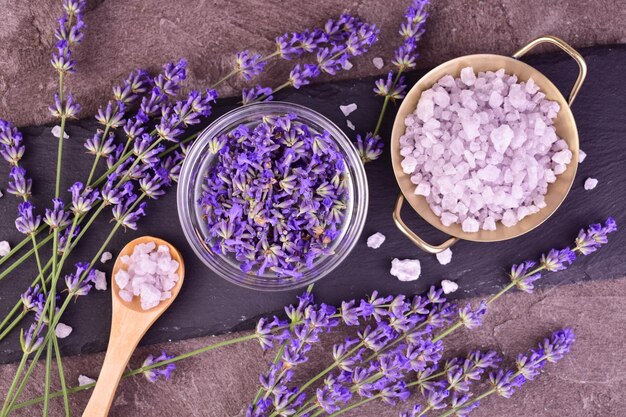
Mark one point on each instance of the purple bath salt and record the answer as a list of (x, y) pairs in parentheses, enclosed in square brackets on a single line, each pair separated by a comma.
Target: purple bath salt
[(483, 149)]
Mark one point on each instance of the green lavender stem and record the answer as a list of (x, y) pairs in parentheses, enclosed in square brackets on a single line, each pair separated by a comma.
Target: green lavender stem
[(383, 110), (142, 369)]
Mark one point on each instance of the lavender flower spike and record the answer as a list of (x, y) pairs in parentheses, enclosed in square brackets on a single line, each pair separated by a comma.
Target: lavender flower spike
[(57, 217), (588, 241), (26, 222), (248, 65), (82, 198), (31, 339), (19, 185), (154, 374), (78, 283)]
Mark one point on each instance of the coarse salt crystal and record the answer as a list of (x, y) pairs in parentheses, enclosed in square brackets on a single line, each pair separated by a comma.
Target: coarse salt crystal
[(375, 240), (5, 248), (100, 281), (406, 269), (85, 380), (56, 132), (581, 156), (470, 225), (347, 109), (106, 256), (562, 157), (350, 124), (378, 62), (444, 257), (347, 65), (62, 330), (468, 76), (590, 183), (448, 286)]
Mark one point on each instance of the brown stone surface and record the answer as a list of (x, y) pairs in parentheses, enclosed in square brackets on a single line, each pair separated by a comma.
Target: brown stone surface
[(589, 382), (123, 35)]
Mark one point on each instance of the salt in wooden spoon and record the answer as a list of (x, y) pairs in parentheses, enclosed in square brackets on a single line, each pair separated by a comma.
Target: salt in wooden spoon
[(128, 325)]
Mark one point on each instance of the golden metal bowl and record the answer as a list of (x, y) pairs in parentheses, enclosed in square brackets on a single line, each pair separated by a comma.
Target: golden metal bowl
[(565, 129)]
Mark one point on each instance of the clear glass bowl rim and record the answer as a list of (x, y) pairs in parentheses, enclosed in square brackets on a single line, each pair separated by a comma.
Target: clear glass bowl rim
[(188, 179)]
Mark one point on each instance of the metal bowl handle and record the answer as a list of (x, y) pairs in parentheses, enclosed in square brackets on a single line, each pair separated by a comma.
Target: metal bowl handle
[(397, 218), (582, 65)]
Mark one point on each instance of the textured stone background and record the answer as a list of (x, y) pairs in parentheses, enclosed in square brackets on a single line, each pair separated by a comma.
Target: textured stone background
[(125, 34)]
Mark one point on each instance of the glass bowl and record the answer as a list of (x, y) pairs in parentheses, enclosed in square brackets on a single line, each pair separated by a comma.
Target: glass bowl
[(198, 163)]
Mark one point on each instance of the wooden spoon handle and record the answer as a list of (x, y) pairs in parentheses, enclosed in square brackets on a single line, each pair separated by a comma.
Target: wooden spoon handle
[(121, 346)]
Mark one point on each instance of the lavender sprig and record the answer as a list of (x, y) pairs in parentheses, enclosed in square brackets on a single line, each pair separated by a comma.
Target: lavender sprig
[(392, 87)]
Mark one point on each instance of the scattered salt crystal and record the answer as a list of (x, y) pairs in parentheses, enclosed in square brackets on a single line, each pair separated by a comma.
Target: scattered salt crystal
[(62, 330), (375, 240), (581, 156), (106, 256), (5, 248), (590, 183), (100, 281), (85, 380), (56, 132), (406, 269), (1, 194), (378, 62), (150, 275), (347, 65), (347, 109), (444, 257), (350, 124), (448, 286)]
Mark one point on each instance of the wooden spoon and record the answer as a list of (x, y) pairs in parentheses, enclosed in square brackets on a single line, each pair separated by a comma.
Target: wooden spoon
[(129, 324)]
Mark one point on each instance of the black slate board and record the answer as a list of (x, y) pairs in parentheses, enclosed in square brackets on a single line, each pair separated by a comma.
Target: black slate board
[(209, 305)]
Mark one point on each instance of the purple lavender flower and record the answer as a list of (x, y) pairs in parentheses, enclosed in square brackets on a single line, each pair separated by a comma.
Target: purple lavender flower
[(138, 82), (389, 88), (250, 95), (57, 217), (558, 260), (64, 109), (19, 185), (32, 299), (522, 282), (12, 148), (78, 283), (164, 372), (472, 318), (248, 65), (31, 340), (99, 147), (64, 238), (414, 412), (152, 186), (370, 147), (112, 116), (266, 332), (82, 198), (26, 222), (589, 240), (125, 216)]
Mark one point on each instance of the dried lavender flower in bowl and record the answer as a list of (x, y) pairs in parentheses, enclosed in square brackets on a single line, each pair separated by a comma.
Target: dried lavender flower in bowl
[(272, 196)]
